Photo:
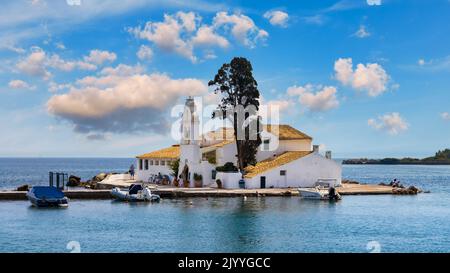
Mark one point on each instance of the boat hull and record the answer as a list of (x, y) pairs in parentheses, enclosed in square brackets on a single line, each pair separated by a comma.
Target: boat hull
[(313, 194), (42, 196), (122, 195), (45, 203)]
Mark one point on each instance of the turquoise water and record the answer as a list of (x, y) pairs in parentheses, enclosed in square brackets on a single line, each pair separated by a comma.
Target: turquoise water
[(396, 223)]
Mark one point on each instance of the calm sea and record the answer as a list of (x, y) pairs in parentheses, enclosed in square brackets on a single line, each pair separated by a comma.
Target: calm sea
[(355, 224)]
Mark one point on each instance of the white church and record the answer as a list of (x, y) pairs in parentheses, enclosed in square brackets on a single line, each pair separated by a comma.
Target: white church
[(286, 158)]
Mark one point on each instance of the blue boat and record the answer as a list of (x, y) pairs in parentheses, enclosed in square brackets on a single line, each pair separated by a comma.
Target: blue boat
[(43, 196)]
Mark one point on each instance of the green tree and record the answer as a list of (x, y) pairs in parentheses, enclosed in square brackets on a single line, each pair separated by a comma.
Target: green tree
[(240, 104), (174, 166)]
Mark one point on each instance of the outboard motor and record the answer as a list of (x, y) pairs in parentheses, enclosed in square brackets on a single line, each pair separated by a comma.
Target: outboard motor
[(333, 195)]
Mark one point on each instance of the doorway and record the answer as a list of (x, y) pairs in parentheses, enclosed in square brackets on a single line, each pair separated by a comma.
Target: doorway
[(263, 182)]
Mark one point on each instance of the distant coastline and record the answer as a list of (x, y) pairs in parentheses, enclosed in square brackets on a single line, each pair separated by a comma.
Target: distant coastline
[(440, 158)]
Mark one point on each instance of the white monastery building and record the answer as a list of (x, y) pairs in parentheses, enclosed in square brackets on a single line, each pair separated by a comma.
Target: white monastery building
[(286, 158)]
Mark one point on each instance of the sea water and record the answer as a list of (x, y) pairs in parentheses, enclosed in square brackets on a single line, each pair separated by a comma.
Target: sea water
[(384, 223)]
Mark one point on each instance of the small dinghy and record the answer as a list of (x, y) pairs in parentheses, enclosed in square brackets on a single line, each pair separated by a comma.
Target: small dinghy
[(319, 193), (43, 196), (135, 193)]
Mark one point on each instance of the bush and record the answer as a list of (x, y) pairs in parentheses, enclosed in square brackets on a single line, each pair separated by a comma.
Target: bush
[(198, 177), (228, 167)]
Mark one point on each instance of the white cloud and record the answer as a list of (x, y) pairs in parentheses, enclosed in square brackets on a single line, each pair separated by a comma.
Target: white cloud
[(54, 87), (34, 64), (19, 84), (166, 35), (60, 45), (374, 2), (182, 32), (445, 116), (144, 53), (362, 32), (392, 123), (121, 102), (207, 37), (370, 77), (243, 28), (315, 98), (277, 17), (122, 70), (421, 62), (99, 57), (56, 62), (38, 62), (13, 48)]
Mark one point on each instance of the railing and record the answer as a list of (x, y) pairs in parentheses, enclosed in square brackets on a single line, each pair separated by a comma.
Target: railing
[(57, 179)]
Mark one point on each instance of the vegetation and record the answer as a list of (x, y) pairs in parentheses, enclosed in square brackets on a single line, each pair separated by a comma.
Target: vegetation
[(440, 158), (240, 104), (227, 168), (198, 177), (174, 166)]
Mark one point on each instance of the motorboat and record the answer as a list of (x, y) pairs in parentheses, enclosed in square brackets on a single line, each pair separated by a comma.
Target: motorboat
[(47, 196), (135, 193), (320, 193)]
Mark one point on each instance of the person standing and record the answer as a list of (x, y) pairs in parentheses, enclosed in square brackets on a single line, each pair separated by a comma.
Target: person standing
[(131, 171)]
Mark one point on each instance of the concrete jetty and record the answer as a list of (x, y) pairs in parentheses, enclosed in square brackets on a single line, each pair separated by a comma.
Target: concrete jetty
[(174, 192)]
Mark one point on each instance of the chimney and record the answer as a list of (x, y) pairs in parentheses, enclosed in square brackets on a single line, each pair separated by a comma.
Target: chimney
[(328, 154), (316, 149)]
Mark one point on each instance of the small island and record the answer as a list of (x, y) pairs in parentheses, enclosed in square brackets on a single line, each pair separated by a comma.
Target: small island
[(440, 158)]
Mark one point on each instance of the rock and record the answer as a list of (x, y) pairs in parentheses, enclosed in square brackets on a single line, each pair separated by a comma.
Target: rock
[(345, 181), (99, 177), (74, 181), (410, 190), (23, 188)]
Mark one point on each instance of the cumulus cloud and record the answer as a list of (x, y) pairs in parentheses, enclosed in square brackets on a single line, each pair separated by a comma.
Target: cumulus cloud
[(54, 87), (19, 84), (370, 77), (34, 64), (99, 57), (182, 32), (166, 35), (362, 32), (207, 37), (119, 102), (445, 116), (277, 17), (315, 98), (242, 27), (38, 62), (145, 53), (58, 63), (392, 123)]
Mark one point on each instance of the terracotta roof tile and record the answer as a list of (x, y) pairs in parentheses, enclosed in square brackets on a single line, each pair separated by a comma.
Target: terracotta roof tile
[(268, 164)]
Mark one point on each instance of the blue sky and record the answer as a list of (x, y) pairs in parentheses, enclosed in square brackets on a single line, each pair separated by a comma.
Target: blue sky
[(363, 77)]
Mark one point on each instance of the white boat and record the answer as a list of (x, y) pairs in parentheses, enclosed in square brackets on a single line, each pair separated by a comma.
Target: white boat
[(320, 193), (313, 193), (135, 193)]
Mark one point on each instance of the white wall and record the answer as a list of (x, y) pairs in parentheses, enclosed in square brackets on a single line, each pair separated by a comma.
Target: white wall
[(280, 146), (229, 180), (303, 172), (225, 154), (143, 175)]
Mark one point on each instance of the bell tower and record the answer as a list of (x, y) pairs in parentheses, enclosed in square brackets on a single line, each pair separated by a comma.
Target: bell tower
[(190, 154)]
